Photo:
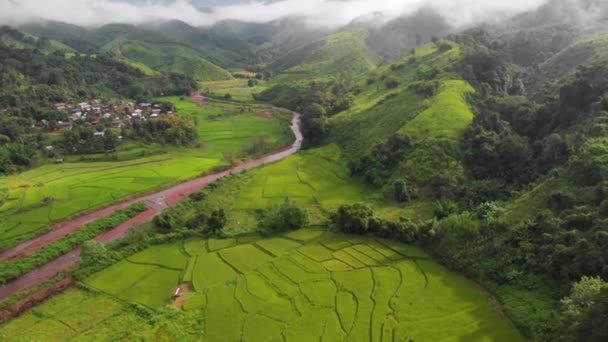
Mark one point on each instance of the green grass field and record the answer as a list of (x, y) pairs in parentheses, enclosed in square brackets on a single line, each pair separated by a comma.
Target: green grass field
[(77, 186), (306, 285), (447, 116), (237, 88), (316, 180)]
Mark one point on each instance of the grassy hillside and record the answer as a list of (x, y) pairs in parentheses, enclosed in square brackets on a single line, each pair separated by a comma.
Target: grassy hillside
[(341, 55), (15, 39), (379, 111), (167, 57)]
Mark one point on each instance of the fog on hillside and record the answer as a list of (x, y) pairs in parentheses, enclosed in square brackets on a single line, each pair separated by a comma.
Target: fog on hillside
[(206, 12)]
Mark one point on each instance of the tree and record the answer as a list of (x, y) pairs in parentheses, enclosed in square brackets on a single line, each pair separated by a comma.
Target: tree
[(217, 221), (164, 223), (94, 253), (286, 217), (583, 295), (353, 219), (591, 326), (401, 192)]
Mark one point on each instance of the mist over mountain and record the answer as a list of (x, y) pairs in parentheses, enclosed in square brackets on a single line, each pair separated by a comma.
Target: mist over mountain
[(325, 13)]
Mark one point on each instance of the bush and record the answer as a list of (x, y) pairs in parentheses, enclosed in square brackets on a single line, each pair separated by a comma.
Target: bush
[(286, 217), (425, 88), (401, 191), (454, 232), (353, 219), (560, 200), (444, 208), (217, 221), (391, 82)]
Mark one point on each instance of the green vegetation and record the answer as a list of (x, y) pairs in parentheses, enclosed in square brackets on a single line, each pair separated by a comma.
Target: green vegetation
[(314, 180), (167, 57), (342, 55), (85, 315), (238, 89), (12, 269), (52, 192), (292, 292)]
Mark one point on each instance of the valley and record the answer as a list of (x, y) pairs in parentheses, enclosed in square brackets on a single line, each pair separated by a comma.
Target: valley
[(398, 175)]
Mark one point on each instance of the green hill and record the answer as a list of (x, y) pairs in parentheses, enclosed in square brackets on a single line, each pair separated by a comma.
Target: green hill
[(15, 39), (223, 50), (341, 55), (166, 57)]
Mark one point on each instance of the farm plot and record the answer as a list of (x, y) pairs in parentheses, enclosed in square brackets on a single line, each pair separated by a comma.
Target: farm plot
[(305, 285), (77, 315), (307, 292), (238, 89), (309, 178), (53, 192), (148, 277)]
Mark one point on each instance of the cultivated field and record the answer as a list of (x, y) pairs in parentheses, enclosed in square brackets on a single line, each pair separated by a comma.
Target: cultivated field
[(237, 88), (305, 285), (35, 198)]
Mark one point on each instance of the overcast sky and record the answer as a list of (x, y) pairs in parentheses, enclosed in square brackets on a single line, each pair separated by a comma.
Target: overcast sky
[(196, 12)]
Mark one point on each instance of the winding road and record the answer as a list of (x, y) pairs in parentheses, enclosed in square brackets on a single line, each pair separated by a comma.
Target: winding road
[(156, 201)]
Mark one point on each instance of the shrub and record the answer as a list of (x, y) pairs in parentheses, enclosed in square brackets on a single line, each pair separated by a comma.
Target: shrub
[(454, 232), (353, 219), (217, 221), (401, 191), (444, 208), (560, 200), (391, 82), (288, 216)]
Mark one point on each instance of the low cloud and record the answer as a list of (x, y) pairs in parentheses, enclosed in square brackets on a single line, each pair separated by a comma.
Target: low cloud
[(207, 12)]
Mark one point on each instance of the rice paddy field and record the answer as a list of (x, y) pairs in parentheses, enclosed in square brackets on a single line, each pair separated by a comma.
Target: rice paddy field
[(78, 186), (237, 88), (301, 286)]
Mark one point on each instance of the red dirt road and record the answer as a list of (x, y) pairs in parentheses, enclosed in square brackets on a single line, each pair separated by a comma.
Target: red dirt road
[(156, 202)]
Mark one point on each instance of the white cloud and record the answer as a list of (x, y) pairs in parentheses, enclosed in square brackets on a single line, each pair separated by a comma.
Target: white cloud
[(322, 12)]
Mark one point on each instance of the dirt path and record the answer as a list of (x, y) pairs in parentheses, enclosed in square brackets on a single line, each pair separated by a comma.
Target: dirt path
[(156, 202)]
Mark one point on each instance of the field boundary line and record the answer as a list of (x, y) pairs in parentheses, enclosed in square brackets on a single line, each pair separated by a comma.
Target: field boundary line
[(227, 263), (371, 297), (402, 254), (255, 244), (153, 264), (380, 263), (426, 278)]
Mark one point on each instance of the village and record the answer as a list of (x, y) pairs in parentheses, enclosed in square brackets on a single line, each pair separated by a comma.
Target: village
[(114, 115)]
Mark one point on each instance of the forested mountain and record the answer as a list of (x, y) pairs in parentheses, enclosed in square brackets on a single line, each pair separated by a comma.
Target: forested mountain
[(168, 47)]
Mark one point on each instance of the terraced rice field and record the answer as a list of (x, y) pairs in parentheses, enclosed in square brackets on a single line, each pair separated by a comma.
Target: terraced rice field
[(77, 186), (303, 286)]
